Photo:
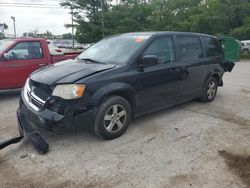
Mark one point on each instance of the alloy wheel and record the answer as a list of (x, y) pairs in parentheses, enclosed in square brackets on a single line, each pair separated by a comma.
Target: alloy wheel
[(115, 118), (211, 92)]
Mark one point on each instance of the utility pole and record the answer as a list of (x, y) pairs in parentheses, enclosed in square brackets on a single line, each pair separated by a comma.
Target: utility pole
[(14, 24), (72, 23)]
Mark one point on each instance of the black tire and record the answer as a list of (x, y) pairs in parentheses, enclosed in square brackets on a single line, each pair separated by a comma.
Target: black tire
[(207, 95), (106, 118)]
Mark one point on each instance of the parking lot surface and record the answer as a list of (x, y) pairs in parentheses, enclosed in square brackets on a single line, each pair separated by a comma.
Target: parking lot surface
[(191, 145)]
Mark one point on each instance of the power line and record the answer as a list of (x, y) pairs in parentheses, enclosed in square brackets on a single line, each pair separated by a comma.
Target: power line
[(29, 5), (33, 4), (18, 6)]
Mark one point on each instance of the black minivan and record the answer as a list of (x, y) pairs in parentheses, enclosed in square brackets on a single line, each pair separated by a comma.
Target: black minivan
[(120, 78)]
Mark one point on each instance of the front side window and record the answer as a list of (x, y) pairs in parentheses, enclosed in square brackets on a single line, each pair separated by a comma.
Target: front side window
[(25, 51), (163, 48), (189, 48), (213, 47)]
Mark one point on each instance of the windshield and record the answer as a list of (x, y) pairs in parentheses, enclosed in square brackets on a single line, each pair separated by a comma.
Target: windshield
[(5, 44), (116, 49)]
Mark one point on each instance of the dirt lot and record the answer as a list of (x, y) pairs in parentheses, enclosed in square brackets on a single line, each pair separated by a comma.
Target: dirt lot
[(191, 145)]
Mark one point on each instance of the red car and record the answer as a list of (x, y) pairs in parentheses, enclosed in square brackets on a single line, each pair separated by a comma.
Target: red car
[(21, 56)]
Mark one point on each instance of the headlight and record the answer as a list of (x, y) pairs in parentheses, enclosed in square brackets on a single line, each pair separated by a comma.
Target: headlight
[(69, 91)]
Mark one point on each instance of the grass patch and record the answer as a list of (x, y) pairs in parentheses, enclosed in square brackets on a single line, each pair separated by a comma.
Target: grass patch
[(245, 56)]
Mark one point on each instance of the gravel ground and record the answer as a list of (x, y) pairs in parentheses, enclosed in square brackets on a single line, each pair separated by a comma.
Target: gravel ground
[(191, 145)]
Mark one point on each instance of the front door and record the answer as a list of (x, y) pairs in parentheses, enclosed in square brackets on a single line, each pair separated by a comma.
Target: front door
[(19, 62), (159, 83)]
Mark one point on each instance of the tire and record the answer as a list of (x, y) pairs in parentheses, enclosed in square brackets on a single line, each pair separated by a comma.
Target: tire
[(113, 118), (210, 90)]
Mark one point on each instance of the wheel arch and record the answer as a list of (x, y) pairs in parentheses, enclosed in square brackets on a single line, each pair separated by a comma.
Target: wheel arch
[(119, 89), (217, 76)]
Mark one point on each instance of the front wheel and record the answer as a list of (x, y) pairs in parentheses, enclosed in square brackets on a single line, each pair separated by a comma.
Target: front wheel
[(113, 117), (210, 90)]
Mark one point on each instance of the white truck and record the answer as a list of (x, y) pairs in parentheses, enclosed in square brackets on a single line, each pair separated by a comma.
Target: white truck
[(245, 46)]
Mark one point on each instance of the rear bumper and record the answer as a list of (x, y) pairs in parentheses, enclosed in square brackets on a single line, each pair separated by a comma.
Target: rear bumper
[(228, 66)]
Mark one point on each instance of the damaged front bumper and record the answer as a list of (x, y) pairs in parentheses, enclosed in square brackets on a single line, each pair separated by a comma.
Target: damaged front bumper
[(26, 129), (33, 135), (28, 119)]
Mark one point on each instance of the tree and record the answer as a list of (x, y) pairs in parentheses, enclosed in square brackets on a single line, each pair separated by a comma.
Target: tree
[(243, 32), (3, 27), (88, 14), (98, 18), (67, 36)]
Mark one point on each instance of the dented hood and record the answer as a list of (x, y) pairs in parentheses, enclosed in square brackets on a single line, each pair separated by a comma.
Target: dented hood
[(68, 71)]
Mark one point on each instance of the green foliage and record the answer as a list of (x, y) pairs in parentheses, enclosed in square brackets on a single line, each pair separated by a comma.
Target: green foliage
[(242, 32), (245, 56), (67, 36), (3, 27), (98, 18)]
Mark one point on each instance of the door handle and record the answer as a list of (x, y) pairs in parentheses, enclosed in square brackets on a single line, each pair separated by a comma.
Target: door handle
[(178, 69), (175, 70)]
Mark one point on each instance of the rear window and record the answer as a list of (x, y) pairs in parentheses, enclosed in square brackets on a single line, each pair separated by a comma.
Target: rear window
[(189, 48), (213, 47)]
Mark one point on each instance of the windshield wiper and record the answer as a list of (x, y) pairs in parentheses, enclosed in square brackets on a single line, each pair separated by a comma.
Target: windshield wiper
[(91, 60)]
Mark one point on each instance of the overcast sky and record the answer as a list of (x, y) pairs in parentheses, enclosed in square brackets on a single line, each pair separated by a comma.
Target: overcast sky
[(28, 19)]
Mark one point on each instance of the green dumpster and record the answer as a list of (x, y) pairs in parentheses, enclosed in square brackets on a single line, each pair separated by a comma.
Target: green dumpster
[(231, 48)]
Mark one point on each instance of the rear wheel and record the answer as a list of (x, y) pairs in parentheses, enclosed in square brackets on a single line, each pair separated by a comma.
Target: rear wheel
[(210, 90), (113, 117)]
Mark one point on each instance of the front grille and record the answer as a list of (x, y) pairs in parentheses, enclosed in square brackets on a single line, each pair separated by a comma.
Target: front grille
[(36, 94), (42, 91), (34, 101)]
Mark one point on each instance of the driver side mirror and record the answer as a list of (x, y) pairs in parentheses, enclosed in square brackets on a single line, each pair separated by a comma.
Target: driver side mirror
[(148, 60)]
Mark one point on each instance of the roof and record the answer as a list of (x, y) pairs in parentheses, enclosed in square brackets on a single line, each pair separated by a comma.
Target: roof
[(169, 32), (245, 41), (28, 39)]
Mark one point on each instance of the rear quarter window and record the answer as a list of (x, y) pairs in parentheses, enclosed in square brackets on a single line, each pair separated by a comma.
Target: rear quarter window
[(213, 47), (190, 48)]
